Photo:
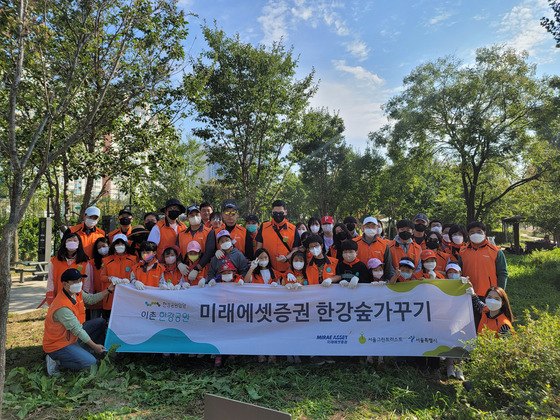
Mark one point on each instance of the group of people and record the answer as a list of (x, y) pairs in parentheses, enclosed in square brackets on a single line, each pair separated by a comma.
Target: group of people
[(198, 246)]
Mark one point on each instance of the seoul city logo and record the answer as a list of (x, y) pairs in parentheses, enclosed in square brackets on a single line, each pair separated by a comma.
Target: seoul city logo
[(152, 303)]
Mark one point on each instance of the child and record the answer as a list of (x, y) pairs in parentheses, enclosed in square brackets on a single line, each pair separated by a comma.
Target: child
[(404, 272), (351, 270), (100, 251), (261, 271), (228, 253), (429, 264), (228, 274), (194, 254), (452, 271), (172, 277), (321, 269), (295, 277), (376, 269), (147, 272)]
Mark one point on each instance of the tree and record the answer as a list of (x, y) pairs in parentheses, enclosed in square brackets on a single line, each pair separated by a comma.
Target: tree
[(250, 106), (553, 25), (473, 117), (55, 97)]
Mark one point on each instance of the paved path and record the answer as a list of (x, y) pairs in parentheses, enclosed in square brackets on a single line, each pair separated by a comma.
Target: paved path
[(26, 296)]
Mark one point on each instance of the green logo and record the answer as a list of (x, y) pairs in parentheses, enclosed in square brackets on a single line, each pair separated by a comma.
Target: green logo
[(362, 339)]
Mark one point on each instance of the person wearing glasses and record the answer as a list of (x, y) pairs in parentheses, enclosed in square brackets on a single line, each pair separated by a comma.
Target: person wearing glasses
[(240, 237)]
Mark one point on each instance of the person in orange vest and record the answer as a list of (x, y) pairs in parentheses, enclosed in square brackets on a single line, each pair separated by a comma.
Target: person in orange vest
[(205, 211), (314, 226), (205, 236), (88, 231), (147, 272), (65, 324), (125, 220), (404, 272), (240, 237), (433, 243), (70, 254), (252, 226), (216, 222), (167, 230), (404, 246), (150, 220), (261, 271), (352, 225), (279, 237), (174, 279), (100, 251), (445, 239), (436, 226), (350, 269), (370, 245), (193, 256), (137, 235), (429, 264), (294, 278), (340, 234), (495, 311), (321, 269), (420, 222), (457, 234)]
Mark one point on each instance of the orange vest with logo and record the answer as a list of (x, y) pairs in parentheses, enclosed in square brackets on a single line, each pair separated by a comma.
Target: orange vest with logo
[(397, 253), (479, 264), (167, 235), (60, 267), (421, 275), (442, 258), (150, 277), (115, 266), (187, 236), (329, 270), (201, 274), (56, 336), (368, 251), (88, 240), (172, 275), (238, 235), (493, 324), (275, 246), (258, 278), (117, 231)]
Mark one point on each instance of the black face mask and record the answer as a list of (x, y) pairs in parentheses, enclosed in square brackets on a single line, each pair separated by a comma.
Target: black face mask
[(173, 214), (405, 235), (149, 225), (125, 221), (341, 236), (278, 217), (432, 243), (419, 227), (351, 226)]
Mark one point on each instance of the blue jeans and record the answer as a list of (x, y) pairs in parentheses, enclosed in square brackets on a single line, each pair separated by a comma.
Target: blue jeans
[(74, 356)]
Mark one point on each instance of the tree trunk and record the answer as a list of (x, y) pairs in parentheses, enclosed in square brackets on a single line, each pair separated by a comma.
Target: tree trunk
[(6, 244)]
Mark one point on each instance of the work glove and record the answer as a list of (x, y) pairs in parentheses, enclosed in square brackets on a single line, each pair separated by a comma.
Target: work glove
[(211, 283), (240, 283), (185, 285), (201, 282), (274, 284), (114, 280), (326, 283), (431, 275), (291, 277), (281, 258), (470, 291), (254, 264), (164, 286), (343, 283), (139, 285), (353, 283), (183, 269), (289, 286), (298, 286), (192, 275), (464, 280), (220, 254)]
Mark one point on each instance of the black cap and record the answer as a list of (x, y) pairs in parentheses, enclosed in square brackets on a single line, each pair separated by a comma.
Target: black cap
[(71, 275), (349, 245), (229, 205), (173, 202), (252, 218), (405, 223), (350, 219), (125, 211), (193, 208)]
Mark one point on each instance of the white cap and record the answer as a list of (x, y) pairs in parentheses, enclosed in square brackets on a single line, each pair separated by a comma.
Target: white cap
[(93, 211), (453, 266), (370, 220), (120, 236)]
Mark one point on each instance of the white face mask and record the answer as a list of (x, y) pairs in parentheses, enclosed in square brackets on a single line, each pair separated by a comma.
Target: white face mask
[(76, 288), (301, 231), (227, 277), (170, 259), (493, 304), (104, 250), (327, 228), (119, 249), (436, 229), (457, 240), (379, 231), (314, 228), (377, 274), (370, 232), (430, 265), (226, 245), (263, 263), (477, 238), (315, 251), (195, 220), (72, 246), (90, 222), (446, 237), (298, 265), (349, 258)]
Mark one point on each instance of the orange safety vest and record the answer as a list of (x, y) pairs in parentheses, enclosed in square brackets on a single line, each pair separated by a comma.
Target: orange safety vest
[(187, 236), (172, 275), (117, 231), (479, 264), (299, 275), (201, 274), (238, 235), (275, 247), (56, 336), (329, 270), (420, 275), (442, 258), (97, 285), (454, 250), (374, 250), (258, 278), (254, 239), (60, 267), (397, 253), (493, 324), (88, 240), (167, 235), (115, 266), (217, 230), (150, 277)]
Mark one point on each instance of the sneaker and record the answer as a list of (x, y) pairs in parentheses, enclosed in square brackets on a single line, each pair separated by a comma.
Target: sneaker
[(218, 361), (261, 359), (271, 359), (451, 371), (318, 360), (329, 360), (379, 360), (459, 374), (297, 359), (369, 360), (52, 366), (290, 359)]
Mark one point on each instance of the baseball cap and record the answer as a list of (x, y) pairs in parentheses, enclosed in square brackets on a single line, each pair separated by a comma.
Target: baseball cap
[(427, 253), (252, 218), (120, 236), (229, 206), (326, 220), (93, 211), (420, 216), (373, 263), (370, 219), (453, 266), (222, 233), (228, 265), (125, 211), (193, 246), (193, 208), (71, 275)]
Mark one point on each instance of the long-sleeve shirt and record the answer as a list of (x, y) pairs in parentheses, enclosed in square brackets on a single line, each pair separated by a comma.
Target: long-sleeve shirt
[(67, 318), (235, 256)]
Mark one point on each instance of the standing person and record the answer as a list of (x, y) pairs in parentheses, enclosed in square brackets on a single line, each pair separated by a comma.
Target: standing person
[(241, 239), (370, 245), (173, 278), (436, 226), (404, 246), (352, 226), (216, 222), (301, 227), (205, 211), (279, 237), (137, 235), (433, 243), (445, 239), (252, 225), (261, 271), (194, 254), (296, 273), (327, 225), (88, 231), (100, 251), (166, 231), (457, 234), (420, 226), (321, 269), (314, 225), (147, 272), (341, 234), (228, 253), (380, 233), (150, 220), (65, 324), (205, 236), (70, 254), (350, 269), (125, 220), (429, 264)]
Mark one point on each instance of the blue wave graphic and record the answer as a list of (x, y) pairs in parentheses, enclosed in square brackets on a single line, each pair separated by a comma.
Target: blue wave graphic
[(169, 340)]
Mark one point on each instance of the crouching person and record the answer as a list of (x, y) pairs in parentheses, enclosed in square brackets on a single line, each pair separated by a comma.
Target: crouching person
[(64, 325)]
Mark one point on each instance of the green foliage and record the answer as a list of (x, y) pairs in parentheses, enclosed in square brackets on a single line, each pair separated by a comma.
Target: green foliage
[(553, 25), (28, 238)]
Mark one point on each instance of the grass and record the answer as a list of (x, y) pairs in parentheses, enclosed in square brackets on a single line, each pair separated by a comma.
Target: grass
[(136, 386)]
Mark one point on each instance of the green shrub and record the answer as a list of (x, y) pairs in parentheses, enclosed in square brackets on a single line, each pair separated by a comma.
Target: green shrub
[(519, 375), (28, 238)]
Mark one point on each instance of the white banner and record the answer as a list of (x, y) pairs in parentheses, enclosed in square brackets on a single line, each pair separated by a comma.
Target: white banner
[(429, 317)]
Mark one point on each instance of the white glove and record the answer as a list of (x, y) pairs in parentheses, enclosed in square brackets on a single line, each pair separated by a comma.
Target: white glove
[(343, 283), (464, 280), (353, 283), (192, 275), (326, 283), (220, 254), (240, 283), (254, 264), (185, 285), (281, 258), (291, 277), (470, 291), (183, 269), (164, 286), (382, 282), (432, 274), (289, 286), (211, 283), (201, 282), (298, 286), (139, 285), (274, 284), (124, 281), (114, 280)]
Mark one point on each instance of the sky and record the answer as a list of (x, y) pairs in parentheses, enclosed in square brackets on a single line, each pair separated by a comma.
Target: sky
[(361, 50)]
